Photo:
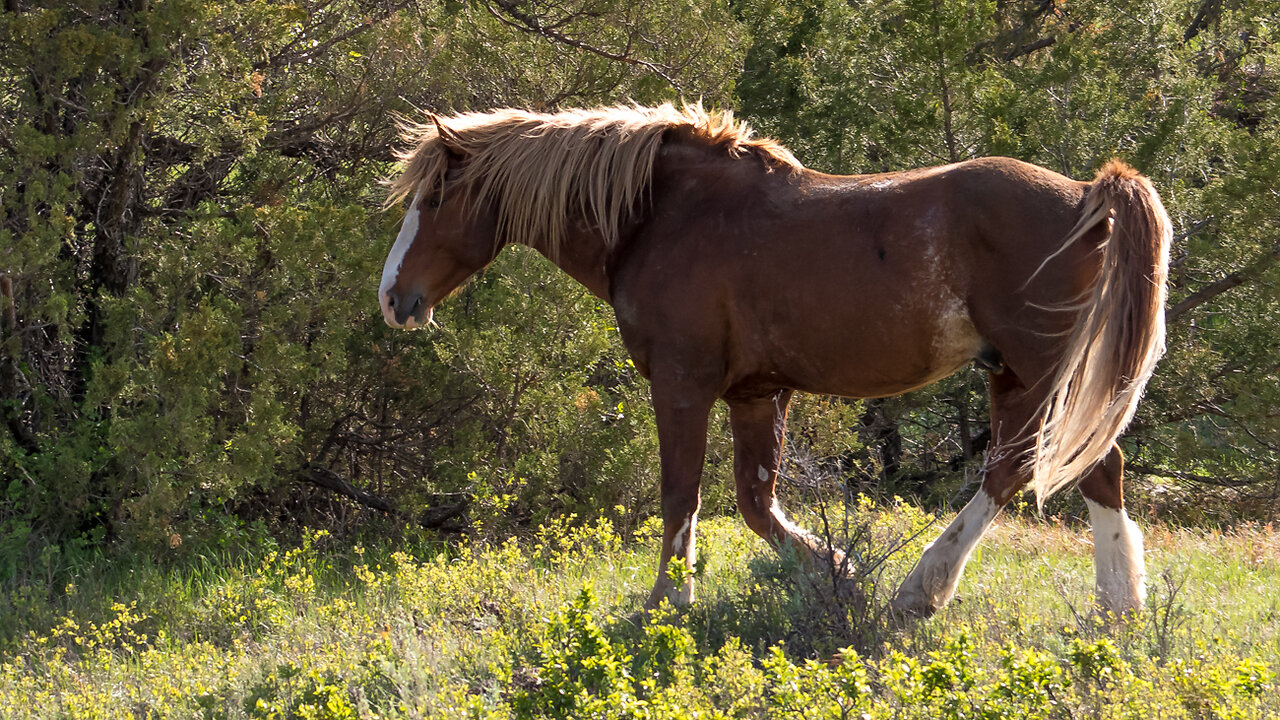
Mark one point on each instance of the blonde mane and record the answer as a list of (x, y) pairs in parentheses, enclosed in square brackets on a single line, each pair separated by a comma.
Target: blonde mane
[(541, 170)]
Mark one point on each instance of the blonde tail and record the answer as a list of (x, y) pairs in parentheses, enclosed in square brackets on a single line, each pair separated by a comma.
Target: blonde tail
[(1119, 335)]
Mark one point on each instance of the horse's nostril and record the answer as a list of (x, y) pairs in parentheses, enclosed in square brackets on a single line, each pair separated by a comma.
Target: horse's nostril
[(403, 308)]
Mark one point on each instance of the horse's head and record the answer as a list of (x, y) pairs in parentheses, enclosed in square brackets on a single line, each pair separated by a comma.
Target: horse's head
[(447, 236)]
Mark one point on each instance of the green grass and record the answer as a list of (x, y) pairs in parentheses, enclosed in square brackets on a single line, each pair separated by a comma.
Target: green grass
[(541, 628)]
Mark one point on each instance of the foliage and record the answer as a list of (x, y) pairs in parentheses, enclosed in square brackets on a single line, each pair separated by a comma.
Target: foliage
[(190, 217), (188, 371), (329, 628)]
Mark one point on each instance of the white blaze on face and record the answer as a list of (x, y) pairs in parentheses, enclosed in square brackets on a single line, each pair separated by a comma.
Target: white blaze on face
[(1117, 553), (391, 269)]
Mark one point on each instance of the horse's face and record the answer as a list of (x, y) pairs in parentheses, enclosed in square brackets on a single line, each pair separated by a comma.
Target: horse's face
[(444, 240)]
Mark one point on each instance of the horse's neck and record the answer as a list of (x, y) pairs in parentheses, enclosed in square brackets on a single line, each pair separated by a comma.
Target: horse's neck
[(585, 257), (584, 254)]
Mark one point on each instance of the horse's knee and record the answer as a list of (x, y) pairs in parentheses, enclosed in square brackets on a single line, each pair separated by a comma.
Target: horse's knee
[(757, 512), (677, 498)]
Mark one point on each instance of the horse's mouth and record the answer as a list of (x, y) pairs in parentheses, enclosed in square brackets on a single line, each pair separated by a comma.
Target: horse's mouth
[(419, 319)]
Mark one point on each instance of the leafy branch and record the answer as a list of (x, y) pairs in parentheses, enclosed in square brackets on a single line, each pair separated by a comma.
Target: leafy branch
[(508, 12)]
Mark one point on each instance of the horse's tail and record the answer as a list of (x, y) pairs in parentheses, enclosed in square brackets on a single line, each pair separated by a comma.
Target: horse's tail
[(1119, 335)]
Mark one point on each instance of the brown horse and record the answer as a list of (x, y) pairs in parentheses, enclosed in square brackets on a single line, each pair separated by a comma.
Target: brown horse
[(738, 274)]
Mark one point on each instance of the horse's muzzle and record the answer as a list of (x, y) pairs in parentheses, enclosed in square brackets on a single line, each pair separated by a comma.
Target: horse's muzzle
[(405, 310)]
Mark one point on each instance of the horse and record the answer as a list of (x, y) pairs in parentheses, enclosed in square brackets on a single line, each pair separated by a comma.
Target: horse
[(738, 274)]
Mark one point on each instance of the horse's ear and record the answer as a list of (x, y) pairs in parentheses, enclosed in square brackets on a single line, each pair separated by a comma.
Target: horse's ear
[(448, 137)]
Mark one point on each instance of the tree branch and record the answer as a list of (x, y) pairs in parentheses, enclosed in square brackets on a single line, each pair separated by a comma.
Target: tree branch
[(287, 58), (435, 517), (1209, 12), (1189, 477), (1231, 280), (524, 22), (944, 87), (330, 480), (1029, 48)]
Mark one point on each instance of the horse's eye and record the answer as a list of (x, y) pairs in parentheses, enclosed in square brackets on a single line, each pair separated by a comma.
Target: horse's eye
[(434, 202)]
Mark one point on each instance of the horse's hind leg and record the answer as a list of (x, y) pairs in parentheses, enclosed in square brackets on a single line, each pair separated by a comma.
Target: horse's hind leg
[(934, 579), (681, 416), (1117, 541), (759, 427)]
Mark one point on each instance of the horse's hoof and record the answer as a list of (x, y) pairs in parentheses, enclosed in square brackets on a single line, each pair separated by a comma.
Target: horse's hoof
[(1110, 618), (912, 606)]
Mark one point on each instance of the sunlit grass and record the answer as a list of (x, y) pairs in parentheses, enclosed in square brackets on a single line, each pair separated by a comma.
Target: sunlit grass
[(331, 628)]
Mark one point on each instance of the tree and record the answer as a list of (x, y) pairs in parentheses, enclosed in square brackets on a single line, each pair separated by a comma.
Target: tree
[(190, 206)]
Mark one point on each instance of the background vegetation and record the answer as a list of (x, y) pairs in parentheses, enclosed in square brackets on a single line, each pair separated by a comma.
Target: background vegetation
[(190, 240), (190, 354)]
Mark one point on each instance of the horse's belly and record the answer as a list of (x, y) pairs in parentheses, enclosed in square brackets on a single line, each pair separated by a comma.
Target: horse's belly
[(860, 355)]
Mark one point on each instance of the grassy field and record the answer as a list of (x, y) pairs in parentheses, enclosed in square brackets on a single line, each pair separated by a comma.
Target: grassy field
[(540, 628)]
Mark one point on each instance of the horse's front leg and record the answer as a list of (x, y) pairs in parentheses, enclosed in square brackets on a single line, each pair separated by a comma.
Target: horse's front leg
[(759, 431), (681, 415)]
